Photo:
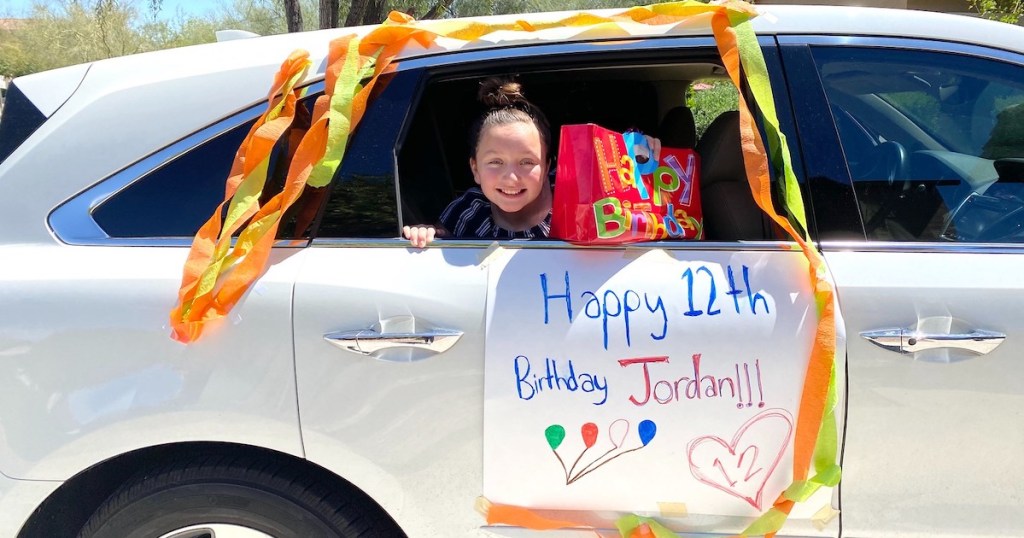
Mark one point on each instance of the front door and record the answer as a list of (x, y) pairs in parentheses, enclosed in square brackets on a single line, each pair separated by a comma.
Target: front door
[(662, 379), (932, 297)]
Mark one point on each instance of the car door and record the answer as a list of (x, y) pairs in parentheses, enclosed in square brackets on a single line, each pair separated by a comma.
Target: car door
[(429, 378), (927, 278)]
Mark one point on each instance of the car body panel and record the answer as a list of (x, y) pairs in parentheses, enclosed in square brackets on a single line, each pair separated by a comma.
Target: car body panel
[(51, 89), (929, 434), (417, 409), (19, 499), (94, 373), (429, 408), (950, 423)]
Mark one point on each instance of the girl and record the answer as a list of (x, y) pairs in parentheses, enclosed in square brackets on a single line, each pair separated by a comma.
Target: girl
[(509, 160)]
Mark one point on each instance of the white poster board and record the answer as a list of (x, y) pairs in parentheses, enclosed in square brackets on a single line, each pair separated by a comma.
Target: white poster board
[(624, 379)]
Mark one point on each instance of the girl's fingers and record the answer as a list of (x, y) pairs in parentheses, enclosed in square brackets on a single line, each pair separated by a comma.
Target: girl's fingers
[(419, 236)]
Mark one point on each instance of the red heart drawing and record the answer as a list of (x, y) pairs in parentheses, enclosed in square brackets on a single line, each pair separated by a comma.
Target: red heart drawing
[(740, 468)]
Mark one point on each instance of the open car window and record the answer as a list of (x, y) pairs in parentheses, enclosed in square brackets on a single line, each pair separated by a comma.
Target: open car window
[(645, 95)]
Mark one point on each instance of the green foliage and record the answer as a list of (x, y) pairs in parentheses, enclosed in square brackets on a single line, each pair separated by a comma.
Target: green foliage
[(709, 98), (58, 33), (1010, 11)]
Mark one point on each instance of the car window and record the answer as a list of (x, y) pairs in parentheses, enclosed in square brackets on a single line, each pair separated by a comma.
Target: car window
[(934, 142), (176, 198), (363, 202), (18, 120), (644, 95)]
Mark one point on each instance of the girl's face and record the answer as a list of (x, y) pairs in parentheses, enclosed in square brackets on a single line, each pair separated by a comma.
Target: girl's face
[(511, 168)]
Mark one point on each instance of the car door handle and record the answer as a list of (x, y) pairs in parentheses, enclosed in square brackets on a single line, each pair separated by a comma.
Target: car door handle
[(909, 341), (370, 341)]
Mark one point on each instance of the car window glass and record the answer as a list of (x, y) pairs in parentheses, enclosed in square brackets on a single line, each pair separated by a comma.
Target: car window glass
[(433, 162), (19, 118), (934, 142), (362, 201), (175, 199)]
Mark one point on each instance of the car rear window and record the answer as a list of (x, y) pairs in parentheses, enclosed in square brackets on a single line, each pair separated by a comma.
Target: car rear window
[(20, 118)]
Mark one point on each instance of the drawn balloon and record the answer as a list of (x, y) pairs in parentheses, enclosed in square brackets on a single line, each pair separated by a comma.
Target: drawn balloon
[(617, 432), (589, 434), (646, 429), (555, 434)]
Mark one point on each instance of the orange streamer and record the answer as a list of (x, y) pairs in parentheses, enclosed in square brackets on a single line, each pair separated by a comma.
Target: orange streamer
[(198, 301), (526, 518), (816, 378)]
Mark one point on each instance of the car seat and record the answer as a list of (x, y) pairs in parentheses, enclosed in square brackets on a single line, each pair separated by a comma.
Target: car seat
[(730, 213), (677, 129)]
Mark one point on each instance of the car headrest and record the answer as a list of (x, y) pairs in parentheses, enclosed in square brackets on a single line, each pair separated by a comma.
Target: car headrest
[(730, 213), (677, 129), (721, 157)]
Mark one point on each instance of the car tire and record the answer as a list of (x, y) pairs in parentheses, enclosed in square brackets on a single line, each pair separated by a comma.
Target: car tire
[(241, 497)]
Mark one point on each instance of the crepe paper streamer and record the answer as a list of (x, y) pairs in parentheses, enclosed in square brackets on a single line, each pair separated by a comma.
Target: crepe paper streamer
[(634, 526), (199, 299), (216, 275), (522, 517), (815, 429)]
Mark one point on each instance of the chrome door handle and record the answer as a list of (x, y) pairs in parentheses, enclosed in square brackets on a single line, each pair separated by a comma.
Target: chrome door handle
[(910, 341), (369, 341)]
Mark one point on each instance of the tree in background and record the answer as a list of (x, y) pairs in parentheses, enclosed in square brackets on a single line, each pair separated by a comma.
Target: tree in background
[(293, 15), (57, 33), (69, 33), (1010, 11), (329, 13)]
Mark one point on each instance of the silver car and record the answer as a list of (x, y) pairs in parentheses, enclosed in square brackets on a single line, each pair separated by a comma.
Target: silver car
[(365, 388)]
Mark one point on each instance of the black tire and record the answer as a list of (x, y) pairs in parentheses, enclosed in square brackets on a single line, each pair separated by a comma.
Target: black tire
[(277, 500)]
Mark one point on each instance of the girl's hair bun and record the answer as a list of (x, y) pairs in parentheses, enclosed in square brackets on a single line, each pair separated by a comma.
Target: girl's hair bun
[(506, 104), (497, 92)]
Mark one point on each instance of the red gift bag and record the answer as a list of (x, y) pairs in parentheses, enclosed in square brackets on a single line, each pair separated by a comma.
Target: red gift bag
[(609, 190)]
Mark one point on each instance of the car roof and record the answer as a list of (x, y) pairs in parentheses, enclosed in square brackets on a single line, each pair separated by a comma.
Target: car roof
[(776, 20), (773, 20)]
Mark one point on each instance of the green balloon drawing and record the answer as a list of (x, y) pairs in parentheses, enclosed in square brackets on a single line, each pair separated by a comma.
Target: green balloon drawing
[(555, 434)]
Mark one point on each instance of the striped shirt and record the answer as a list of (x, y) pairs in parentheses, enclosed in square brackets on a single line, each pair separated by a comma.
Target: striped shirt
[(469, 216)]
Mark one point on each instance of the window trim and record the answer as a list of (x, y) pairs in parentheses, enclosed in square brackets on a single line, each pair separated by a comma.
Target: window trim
[(550, 244)]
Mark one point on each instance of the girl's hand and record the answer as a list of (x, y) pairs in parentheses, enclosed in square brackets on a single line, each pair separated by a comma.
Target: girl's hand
[(655, 145), (419, 236)]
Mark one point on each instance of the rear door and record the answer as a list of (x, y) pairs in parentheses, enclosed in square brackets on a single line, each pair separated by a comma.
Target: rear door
[(431, 377), (928, 277)]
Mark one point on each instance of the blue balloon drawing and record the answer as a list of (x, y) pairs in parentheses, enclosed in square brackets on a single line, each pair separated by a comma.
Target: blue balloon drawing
[(646, 429)]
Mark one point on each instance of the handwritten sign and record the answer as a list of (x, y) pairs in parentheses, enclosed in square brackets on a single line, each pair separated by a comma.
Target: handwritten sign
[(618, 380)]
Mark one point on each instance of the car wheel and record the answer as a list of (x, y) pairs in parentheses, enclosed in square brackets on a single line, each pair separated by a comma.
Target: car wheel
[(235, 498)]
